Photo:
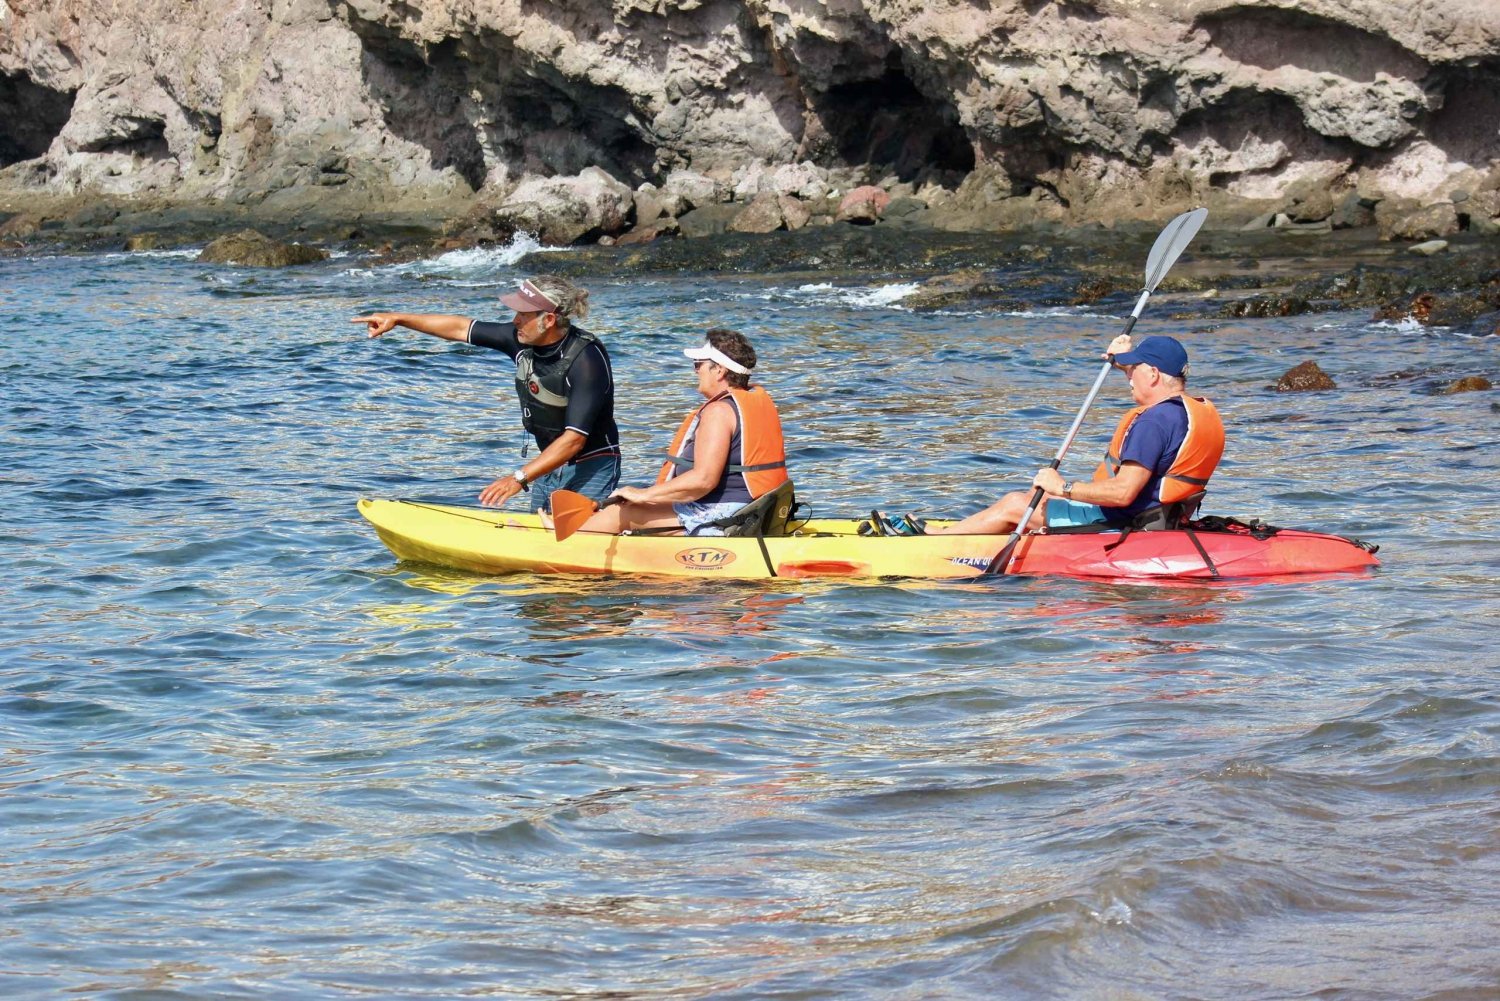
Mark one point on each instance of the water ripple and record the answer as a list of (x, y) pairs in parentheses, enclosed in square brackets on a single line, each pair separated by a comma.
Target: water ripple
[(243, 752)]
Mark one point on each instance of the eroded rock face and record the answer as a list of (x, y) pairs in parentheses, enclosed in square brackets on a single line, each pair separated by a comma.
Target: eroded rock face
[(1086, 110)]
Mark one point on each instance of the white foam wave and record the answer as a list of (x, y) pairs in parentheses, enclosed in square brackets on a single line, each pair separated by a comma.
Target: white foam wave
[(483, 260), (130, 255), (858, 296), (1405, 325)]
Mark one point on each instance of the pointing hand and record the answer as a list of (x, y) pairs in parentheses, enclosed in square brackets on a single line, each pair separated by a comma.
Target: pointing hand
[(378, 323)]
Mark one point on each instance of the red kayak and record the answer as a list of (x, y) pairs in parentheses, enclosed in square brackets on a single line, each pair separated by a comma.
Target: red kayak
[(1220, 549)]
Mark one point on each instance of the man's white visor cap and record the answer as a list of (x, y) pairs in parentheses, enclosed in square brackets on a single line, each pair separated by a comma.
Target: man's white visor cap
[(710, 353)]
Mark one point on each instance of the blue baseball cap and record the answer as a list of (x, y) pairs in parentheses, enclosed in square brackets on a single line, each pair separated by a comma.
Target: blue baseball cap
[(1165, 353)]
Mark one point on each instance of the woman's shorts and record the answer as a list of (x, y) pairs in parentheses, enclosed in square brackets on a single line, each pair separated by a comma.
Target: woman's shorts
[(694, 515)]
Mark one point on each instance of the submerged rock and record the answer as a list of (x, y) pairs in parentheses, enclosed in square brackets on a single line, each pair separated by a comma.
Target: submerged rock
[(1468, 384), (968, 288), (1303, 378), (1279, 305), (251, 249)]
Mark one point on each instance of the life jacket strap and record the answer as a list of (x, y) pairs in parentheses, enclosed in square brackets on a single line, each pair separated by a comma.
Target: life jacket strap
[(684, 463), (756, 468)]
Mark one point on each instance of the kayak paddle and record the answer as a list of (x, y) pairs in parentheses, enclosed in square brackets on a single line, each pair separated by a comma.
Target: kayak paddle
[(570, 510), (1164, 253)]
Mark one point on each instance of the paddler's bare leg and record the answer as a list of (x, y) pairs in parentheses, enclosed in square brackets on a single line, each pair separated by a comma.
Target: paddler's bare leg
[(617, 518), (998, 519)]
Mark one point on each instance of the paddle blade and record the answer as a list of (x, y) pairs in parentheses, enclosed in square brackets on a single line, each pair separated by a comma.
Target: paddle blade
[(569, 511), (1170, 244), (1002, 560), (1001, 563)]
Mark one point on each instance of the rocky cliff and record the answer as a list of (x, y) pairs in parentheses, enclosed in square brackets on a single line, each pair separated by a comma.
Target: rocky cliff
[(985, 111)]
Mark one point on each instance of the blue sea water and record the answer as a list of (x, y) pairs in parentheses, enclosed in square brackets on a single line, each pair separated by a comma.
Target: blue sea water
[(244, 752)]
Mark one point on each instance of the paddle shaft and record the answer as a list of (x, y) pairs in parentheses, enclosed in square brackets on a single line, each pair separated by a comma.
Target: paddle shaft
[(1002, 558)]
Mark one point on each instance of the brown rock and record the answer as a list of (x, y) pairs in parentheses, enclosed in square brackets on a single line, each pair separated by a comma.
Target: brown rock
[(565, 210), (864, 205), (1479, 212), (707, 220), (1469, 384), (794, 211), (1278, 305), (1309, 201), (1353, 212), (251, 249), (19, 227), (1303, 378), (969, 288), (650, 231), (1091, 290), (649, 204), (762, 215), (1431, 222), (1418, 308)]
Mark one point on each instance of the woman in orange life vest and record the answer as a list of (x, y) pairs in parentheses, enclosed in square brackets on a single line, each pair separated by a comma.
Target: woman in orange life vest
[(1163, 451), (727, 452)]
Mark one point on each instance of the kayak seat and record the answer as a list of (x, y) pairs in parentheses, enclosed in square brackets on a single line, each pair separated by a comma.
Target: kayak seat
[(767, 515), (1161, 518), (1165, 517)]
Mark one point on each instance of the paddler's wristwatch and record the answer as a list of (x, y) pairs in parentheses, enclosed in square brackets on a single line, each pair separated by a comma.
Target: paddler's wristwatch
[(1068, 489), (520, 476)]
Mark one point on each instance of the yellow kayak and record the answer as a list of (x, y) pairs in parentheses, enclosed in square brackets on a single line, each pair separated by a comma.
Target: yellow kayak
[(483, 540), (486, 541)]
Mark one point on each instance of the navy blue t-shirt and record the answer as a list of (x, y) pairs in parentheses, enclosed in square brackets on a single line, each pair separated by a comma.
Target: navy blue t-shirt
[(1153, 441), (591, 385)]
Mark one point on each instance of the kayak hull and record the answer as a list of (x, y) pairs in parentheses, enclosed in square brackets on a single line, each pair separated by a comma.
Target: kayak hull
[(485, 541)]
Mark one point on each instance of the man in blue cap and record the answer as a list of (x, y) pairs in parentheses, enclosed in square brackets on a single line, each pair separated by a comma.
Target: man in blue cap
[(1163, 451)]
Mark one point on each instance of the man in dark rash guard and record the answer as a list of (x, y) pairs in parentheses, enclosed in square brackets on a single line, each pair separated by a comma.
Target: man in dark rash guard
[(563, 380)]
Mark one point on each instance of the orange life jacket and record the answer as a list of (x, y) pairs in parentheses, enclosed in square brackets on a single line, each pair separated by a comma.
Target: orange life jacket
[(1196, 459), (757, 453)]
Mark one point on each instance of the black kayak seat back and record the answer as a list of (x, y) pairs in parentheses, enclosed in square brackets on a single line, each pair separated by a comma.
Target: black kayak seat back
[(767, 515), (1161, 518), (1165, 517)]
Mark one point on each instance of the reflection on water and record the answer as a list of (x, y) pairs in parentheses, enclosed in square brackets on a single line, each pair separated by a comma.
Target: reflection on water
[(593, 607)]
